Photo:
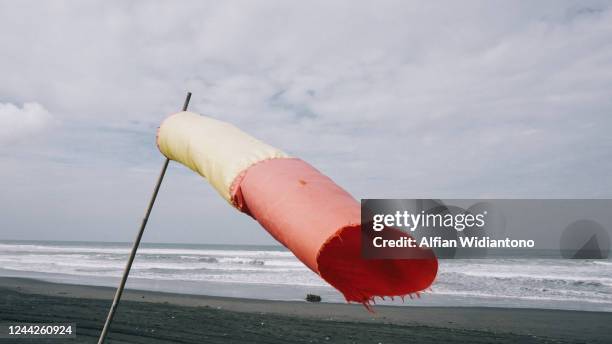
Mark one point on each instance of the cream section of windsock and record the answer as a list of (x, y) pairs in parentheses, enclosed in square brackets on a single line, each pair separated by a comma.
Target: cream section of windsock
[(214, 149)]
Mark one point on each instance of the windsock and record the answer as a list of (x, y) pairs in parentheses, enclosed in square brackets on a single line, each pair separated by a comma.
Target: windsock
[(300, 207)]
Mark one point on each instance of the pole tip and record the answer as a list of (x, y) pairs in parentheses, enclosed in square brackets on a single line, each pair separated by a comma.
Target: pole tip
[(187, 99)]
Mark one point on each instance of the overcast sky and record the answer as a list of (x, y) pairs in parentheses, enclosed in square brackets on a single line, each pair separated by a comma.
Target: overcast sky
[(391, 99)]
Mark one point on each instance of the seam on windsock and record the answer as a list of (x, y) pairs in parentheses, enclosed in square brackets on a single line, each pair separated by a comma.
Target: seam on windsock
[(234, 190)]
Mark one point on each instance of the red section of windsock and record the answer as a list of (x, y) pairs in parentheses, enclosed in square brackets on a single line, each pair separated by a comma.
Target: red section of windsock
[(320, 223)]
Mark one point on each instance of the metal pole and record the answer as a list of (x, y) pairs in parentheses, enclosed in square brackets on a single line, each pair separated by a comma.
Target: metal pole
[(128, 266)]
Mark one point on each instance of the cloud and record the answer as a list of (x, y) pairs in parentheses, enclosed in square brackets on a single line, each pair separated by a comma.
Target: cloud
[(393, 99), (18, 123)]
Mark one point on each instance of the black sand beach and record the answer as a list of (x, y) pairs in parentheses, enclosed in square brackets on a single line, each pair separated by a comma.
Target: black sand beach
[(151, 317)]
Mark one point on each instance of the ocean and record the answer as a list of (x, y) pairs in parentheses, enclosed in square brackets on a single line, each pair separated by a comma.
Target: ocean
[(272, 272)]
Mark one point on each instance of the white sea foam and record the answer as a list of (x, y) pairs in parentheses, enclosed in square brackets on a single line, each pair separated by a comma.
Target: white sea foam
[(556, 283)]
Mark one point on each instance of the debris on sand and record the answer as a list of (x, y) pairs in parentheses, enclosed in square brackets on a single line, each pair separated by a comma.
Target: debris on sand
[(313, 298)]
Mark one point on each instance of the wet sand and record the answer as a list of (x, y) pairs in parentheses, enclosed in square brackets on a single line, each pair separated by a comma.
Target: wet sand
[(153, 317)]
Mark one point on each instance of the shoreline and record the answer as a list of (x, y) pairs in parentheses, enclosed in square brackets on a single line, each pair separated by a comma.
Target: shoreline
[(266, 273), (482, 322)]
